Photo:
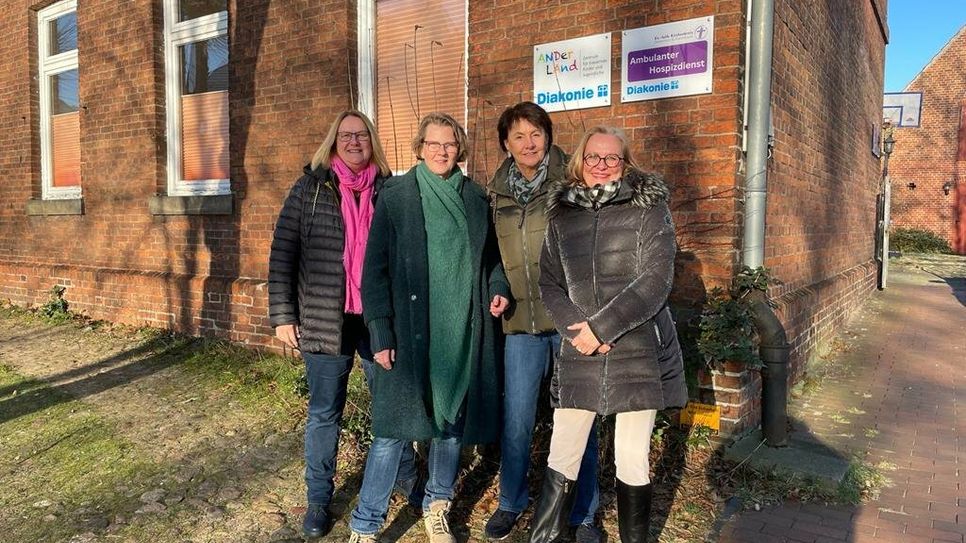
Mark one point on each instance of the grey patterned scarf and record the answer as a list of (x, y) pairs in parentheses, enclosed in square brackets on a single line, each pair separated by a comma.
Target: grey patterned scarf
[(592, 197), (521, 188)]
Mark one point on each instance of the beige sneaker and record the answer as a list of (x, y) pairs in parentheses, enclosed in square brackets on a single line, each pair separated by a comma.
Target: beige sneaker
[(356, 537), (437, 527)]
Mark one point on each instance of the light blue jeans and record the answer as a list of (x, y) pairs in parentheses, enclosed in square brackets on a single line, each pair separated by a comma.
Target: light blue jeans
[(382, 467), (526, 362), (328, 380)]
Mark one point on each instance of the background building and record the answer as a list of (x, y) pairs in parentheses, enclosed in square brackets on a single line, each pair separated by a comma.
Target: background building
[(928, 166), (146, 148)]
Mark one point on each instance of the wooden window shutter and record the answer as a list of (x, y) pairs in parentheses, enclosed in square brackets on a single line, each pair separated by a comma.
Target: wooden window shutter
[(418, 70)]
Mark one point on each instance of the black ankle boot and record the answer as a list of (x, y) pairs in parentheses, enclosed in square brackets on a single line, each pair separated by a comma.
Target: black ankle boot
[(316, 521), (553, 510), (634, 511)]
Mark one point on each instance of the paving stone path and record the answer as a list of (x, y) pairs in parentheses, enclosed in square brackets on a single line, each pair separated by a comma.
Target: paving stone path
[(896, 402)]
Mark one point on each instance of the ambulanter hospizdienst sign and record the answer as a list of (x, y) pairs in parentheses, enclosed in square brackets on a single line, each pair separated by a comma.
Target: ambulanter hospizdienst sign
[(672, 59)]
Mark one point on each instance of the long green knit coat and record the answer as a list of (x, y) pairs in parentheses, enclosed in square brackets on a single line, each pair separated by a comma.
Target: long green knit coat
[(395, 297)]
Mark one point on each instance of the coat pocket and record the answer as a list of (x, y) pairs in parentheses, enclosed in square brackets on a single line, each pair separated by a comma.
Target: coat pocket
[(665, 331)]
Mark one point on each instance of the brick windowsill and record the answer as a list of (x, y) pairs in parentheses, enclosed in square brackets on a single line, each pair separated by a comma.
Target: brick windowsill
[(221, 204), (73, 206)]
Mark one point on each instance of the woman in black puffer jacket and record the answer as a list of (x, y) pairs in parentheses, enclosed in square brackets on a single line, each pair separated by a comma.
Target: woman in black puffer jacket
[(315, 304), (605, 275)]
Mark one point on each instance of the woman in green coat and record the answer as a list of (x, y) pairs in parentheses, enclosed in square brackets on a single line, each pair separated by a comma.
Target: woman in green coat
[(432, 288)]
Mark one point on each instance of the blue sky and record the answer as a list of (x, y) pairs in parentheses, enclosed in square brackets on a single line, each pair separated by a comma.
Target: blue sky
[(918, 29)]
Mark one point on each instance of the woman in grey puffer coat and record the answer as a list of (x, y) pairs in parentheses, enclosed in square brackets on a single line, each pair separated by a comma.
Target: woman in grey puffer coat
[(605, 275)]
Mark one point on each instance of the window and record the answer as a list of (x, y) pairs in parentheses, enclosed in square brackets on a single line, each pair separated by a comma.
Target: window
[(59, 101), (196, 90), (418, 50)]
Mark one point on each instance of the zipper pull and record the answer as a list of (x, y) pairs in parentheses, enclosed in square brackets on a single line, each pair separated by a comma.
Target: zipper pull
[(523, 216)]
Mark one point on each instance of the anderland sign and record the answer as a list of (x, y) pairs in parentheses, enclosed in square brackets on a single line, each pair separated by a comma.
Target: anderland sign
[(572, 74), (672, 59)]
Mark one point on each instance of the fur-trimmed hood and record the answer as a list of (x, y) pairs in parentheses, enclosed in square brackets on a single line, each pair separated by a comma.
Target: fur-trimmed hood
[(644, 189)]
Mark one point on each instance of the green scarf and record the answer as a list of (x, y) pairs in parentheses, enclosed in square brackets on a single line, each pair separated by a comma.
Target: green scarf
[(450, 288)]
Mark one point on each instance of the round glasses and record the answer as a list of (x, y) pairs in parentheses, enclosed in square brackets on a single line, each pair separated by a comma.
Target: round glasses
[(610, 161), (358, 136)]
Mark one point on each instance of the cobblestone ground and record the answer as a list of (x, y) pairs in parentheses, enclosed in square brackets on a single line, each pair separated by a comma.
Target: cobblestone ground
[(896, 400)]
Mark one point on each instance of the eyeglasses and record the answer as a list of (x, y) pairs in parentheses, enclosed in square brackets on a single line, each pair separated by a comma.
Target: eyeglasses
[(610, 160), (435, 146), (358, 136)]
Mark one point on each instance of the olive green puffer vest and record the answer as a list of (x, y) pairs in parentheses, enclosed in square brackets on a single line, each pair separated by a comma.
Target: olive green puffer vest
[(520, 231)]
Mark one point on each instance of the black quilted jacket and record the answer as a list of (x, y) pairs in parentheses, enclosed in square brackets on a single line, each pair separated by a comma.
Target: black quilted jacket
[(613, 267), (306, 277)]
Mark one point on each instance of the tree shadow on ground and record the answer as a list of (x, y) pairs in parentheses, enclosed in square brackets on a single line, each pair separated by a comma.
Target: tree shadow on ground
[(160, 355), (115, 362)]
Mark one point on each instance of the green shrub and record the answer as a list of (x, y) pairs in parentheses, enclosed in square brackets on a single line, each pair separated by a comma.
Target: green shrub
[(727, 327), (56, 308), (914, 240)]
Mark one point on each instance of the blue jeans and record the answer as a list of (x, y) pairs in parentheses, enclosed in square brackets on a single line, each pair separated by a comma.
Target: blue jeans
[(328, 380), (381, 465), (526, 363)]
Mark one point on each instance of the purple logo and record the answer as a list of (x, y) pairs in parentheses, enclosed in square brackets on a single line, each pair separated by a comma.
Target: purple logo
[(668, 61)]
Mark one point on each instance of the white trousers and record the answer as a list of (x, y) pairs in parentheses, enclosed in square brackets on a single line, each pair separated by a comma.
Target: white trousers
[(632, 443)]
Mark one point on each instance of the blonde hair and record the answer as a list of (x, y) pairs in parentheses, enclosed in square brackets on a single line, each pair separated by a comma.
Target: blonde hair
[(575, 168), (323, 156), (441, 119)]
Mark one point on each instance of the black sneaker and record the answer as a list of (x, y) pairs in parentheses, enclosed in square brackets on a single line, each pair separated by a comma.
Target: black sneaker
[(500, 525), (588, 533), (316, 521)]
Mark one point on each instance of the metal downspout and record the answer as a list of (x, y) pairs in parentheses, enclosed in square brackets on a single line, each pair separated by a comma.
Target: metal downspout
[(759, 106), (773, 345)]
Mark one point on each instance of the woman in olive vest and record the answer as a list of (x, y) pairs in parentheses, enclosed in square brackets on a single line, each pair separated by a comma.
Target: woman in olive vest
[(518, 194)]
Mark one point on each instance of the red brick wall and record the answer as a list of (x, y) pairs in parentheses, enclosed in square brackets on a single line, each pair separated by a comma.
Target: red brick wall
[(694, 141), (288, 76), (201, 274), (827, 82), (926, 155), (823, 178)]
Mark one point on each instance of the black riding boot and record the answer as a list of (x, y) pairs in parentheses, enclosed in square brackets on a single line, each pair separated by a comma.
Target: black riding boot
[(633, 511), (551, 517)]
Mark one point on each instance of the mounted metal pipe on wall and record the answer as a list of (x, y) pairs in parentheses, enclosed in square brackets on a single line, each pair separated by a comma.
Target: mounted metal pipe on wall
[(773, 345)]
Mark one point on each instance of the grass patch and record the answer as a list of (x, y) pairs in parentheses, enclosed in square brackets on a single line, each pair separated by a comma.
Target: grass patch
[(272, 384), (60, 464), (756, 489), (863, 482), (762, 489), (268, 383)]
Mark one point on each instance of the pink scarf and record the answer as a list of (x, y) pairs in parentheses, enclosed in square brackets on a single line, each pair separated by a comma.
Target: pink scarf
[(357, 217)]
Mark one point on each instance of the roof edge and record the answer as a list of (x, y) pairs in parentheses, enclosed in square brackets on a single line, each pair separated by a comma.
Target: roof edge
[(880, 18), (935, 57)]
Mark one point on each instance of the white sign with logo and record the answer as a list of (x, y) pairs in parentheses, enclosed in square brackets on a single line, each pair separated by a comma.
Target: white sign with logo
[(572, 74), (672, 59)]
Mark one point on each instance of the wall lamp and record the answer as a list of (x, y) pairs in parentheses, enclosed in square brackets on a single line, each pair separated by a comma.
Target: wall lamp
[(948, 186), (889, 144)]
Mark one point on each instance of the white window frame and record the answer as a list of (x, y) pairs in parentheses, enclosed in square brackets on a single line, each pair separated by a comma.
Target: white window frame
[(49, 66), (177, 34), (366, 37)]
